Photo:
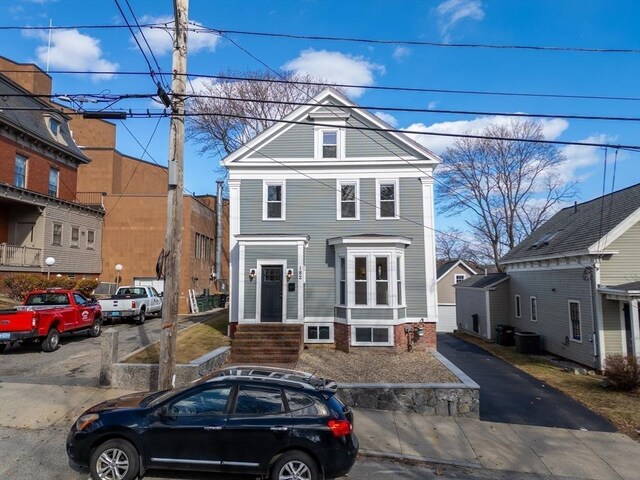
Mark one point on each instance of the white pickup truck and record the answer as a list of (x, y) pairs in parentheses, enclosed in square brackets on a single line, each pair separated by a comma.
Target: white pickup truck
[(132, 302)]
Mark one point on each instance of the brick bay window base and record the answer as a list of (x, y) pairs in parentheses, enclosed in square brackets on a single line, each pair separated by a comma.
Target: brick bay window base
[(405, 337)]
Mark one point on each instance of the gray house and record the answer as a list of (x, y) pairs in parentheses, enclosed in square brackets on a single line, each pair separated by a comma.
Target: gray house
[(576, 279), (331, 230), (448, 274)]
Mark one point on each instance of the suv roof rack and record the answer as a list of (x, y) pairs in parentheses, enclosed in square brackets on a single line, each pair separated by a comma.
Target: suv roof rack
[(280, 375)]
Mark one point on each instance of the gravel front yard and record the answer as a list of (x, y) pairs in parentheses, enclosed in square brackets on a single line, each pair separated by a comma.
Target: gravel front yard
[(370, 367)]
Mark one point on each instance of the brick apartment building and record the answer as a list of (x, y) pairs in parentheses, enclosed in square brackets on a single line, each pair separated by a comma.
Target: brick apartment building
[(133, 194), (41, 215)]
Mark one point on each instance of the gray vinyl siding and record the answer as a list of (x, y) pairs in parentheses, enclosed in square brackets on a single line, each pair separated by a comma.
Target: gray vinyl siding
[(363, 143), (255, 253), (311, 210), (554, 289), (341, 312), (612, 326), (295, 142), (623, 266), (499, 306), (71, 259), (471, 302), (372, 314)]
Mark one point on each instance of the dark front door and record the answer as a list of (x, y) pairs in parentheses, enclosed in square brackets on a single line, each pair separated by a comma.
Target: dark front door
[(271, 296), (627, 328)]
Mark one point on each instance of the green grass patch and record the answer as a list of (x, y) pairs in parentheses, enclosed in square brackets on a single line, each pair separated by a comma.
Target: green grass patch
[(192, 343)]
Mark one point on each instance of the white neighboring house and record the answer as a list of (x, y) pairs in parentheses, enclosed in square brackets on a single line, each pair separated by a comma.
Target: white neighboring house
[(450, 273)]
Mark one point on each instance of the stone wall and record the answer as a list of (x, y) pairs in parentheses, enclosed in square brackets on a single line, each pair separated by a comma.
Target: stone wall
[(445, 400)]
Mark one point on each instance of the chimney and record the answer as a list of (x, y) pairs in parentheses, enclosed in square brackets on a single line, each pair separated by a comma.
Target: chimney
[(575, 206)]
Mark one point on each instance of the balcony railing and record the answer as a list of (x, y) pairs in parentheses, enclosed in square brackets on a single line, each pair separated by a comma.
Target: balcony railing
[(93, 199), (18, 256)]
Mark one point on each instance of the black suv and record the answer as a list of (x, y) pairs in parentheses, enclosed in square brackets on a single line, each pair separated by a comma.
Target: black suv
[(242, 419)]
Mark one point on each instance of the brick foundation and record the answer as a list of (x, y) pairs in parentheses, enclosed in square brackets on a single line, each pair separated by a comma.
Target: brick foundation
[(403, 341)]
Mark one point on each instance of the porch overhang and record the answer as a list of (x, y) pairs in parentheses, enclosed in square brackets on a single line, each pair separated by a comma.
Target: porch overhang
[(624, 292), (361, 240)]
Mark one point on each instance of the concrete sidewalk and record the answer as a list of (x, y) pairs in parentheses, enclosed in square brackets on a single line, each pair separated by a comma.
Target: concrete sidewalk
[(461, 442), (498, 446)]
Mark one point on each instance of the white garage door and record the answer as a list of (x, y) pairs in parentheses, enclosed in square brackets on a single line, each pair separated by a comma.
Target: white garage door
[(446, 318), (150, 282)]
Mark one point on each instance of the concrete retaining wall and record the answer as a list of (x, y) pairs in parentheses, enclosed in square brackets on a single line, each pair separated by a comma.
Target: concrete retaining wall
[(446, 400), (137, 376)]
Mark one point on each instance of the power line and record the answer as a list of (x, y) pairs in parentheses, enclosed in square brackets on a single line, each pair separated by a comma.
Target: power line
[(201, 28), (421, 43), (149, 114), (347, 85), (118, 97)]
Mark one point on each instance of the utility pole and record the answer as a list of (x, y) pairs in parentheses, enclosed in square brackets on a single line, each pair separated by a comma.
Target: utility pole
[(173, 242)]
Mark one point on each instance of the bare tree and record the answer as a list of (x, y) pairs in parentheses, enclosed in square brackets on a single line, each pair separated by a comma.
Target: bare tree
[(226, 115), (450, 244), (506, 188)]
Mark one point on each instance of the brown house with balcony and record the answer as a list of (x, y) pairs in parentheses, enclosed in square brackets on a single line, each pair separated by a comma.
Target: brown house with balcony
[(131, 196), (40, 213)]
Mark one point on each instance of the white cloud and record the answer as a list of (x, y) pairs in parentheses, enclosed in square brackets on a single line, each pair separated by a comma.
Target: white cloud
[(161, 39), (551, 129), (385, 117), (72, 50), (336, 67), (399, 53), (432, 105), (580, 158), (451, 12)]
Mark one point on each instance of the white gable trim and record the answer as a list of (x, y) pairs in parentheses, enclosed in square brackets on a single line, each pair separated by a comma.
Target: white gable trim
[(322, 100), (615, 233), (459, 262)]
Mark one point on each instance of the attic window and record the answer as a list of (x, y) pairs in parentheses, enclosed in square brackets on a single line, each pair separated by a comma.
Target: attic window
[(54, 126), (545, 239)]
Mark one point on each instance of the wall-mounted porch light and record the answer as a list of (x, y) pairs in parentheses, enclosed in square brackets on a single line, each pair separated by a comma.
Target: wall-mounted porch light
[(289, 273), (252, 274)]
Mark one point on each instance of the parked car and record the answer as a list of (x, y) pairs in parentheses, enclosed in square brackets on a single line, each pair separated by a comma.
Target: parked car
[(254, 420), (134, 302), (45, 314)]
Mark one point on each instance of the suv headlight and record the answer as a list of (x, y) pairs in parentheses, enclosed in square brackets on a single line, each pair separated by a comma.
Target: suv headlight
[(85, 420)]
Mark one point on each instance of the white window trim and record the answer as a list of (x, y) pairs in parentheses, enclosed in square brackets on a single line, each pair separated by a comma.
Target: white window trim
[(371, 344), (53, 234), (340, 141), (283, 197), (531, 300), (392, 276), (458, 275), (339, 184), (77, 241), (57, 194), (517, 306), (26, 169), (396, 203), (339, 279), (579, 321), (315, 324)]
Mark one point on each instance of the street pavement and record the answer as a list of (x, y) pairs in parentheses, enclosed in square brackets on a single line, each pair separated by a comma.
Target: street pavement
[(77, 361), (35, 418), (509, 395)]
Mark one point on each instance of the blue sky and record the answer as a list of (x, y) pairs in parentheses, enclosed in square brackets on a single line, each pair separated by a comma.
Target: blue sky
[(612, 24)]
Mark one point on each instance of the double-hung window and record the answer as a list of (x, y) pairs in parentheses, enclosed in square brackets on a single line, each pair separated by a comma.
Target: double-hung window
[(574, 317), (343, 282), (387, 199), (53, 182), (518, 307), (75, 237), (20, 172), (382, 281), (330, 144), (91, 240), (360, 281), (274, 201), (534, 309), (348, 201), (57, 234)]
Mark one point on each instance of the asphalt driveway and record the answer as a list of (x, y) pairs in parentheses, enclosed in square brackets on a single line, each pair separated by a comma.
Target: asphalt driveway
[(508, 395)]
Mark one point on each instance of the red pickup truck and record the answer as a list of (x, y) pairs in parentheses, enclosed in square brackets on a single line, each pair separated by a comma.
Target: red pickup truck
[(45, 314)]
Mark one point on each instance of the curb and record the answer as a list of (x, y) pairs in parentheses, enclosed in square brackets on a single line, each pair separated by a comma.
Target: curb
[(418, 458)]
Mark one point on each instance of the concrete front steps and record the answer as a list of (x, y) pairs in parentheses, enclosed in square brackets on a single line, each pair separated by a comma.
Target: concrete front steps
[(267, 344)]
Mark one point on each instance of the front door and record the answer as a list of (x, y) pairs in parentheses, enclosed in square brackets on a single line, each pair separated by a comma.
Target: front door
[(627, 328), (271, 295)]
